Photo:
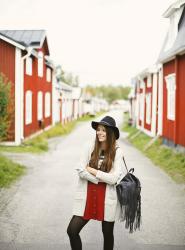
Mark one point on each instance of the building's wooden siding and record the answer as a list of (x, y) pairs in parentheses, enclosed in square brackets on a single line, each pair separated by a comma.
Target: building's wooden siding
[(181, 101), (36, 84), (168, 125)]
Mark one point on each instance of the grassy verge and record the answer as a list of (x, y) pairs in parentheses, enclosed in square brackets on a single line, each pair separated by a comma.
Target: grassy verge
[(9, 171), (90, 117), (39, 144), (166, 158)]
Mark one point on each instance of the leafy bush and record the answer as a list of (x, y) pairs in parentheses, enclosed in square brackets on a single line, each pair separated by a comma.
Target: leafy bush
[(5, 101)]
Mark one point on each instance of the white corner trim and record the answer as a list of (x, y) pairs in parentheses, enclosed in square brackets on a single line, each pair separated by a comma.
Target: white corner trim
[(43, 39), (144, 110), (18, 99), (154, 104), (160, 103)]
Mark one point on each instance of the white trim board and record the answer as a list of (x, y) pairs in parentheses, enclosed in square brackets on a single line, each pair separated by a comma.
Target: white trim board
[(18, 99), (12, 42)]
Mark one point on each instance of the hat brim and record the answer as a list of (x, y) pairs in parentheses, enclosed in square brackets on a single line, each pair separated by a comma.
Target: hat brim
[(115, 129)]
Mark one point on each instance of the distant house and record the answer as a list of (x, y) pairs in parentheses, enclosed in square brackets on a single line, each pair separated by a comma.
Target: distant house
[(146, 101), (77, 103), (92, 104), (100, 104), (24, 59), (132, 102), (172, 57), (120, 104), (62, 102)]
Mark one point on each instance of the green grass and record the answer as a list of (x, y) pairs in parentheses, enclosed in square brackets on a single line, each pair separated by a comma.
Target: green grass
[(85, 118), (166, 158), (169, 160), (39, 144), (59, 130), (127, 128), (9, 171), (90, 117)]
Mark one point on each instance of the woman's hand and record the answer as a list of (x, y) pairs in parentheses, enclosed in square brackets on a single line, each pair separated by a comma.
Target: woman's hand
[(91, 170)]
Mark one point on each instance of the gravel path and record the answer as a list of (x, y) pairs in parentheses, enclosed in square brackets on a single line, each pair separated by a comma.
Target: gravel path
[(35, 211)]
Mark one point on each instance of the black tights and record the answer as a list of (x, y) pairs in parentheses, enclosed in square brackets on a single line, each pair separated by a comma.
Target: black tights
[(77, 223)]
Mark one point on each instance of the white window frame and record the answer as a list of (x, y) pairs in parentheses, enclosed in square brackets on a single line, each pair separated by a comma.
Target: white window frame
[(171, 93), (40, 105), (149, 81), (29, 66), (141, 106), (28, 107), (148, 108), (48, 74), (40, 63), (47, 104)]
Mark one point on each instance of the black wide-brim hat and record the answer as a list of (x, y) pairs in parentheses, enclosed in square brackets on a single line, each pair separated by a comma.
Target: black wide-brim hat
[(107, 121)]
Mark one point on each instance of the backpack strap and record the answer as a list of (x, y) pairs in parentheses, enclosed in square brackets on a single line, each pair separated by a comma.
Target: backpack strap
[(128, 171), (125, 164)]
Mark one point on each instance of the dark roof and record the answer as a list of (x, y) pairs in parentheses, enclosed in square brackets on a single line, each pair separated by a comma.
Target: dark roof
[(179, 44), (27, 38)]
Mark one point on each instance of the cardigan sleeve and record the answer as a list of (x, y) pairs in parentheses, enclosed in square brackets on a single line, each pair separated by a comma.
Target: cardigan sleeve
[(84, 174), (81, 168), (117, 172)]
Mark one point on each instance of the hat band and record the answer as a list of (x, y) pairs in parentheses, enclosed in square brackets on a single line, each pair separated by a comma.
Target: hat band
[(106, 123)]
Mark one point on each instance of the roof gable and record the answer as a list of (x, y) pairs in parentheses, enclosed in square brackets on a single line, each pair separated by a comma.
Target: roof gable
[(45, 45), (27, 38), (182, 20), (173, 7), (178, 45)]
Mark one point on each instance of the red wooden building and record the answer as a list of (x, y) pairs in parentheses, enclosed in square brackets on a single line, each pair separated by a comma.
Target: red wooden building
[(24, 59), (146, 101), (172, 56)]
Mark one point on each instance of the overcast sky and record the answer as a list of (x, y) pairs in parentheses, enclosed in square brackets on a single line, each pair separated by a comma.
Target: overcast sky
[(101, 41)]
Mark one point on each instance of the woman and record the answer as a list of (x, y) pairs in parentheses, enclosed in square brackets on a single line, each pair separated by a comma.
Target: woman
[(96, 198)]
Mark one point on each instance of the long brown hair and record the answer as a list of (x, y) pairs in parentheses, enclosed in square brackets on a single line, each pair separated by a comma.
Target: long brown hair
[(109, 151)]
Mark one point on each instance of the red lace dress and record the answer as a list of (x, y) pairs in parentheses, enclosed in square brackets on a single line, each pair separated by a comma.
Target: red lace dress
[(95, 199)]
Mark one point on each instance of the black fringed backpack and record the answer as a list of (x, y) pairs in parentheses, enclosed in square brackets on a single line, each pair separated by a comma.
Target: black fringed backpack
[(129, 196)]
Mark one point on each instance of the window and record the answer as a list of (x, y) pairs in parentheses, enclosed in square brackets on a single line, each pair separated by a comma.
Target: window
[(29, 66), (40, 64), (148, 108), (171, 89), (48, 75), (47, 104), (142, 84), (40, 106), (28, 105)]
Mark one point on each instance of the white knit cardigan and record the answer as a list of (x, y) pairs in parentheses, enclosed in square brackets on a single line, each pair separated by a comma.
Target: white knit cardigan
[(112, 210)]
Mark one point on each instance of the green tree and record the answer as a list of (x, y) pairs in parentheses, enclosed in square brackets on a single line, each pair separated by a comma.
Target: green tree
[(67, 77), (109, 92)]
